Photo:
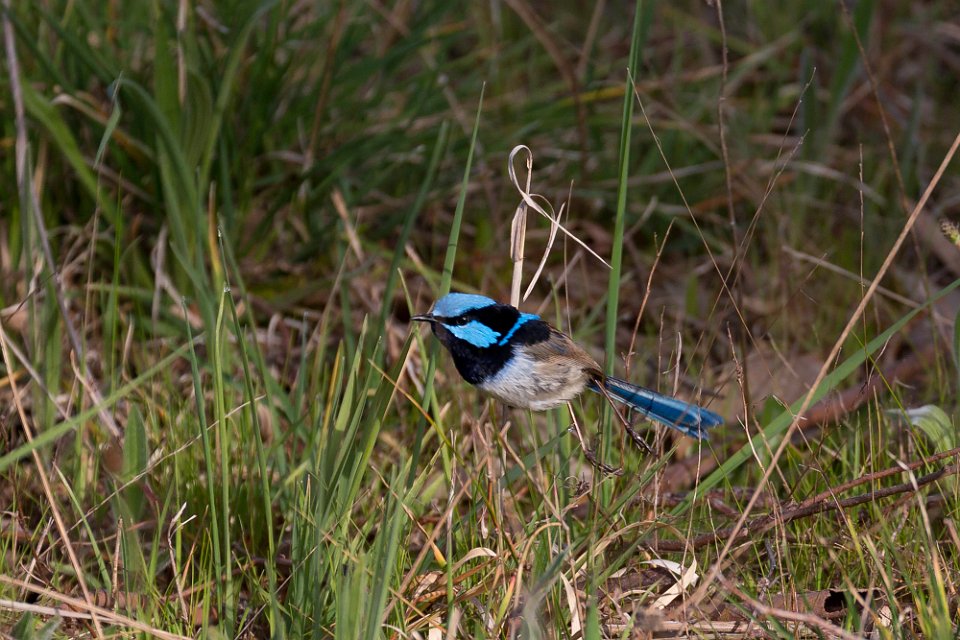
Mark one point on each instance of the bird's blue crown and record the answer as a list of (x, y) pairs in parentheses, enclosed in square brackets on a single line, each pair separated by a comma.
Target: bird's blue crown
[(455, 304)]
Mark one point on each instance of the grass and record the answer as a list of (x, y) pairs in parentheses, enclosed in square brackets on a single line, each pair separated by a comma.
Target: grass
[(217, 420)]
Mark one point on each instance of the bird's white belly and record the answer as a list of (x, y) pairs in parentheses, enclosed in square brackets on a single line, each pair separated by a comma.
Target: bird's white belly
[(529, 384)]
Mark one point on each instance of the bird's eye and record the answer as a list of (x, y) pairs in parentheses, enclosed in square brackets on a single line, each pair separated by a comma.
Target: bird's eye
[(459, 321)]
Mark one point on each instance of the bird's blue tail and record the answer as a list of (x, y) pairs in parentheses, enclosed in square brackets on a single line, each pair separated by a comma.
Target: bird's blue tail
[(686, 418)]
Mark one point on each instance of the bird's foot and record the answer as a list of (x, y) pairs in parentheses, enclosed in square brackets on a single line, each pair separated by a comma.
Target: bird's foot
[(636, 437), (592, 458), (591, 455)]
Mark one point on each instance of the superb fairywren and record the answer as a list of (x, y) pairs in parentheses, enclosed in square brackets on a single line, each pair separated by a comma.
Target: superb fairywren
[(524, 362)]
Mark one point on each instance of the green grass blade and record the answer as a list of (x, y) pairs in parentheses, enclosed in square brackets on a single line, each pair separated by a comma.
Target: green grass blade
[(411, 217), (208, 461), (263, 469), (225, 444), (384, 556), (454, 235), (47, 116), (616, 257)]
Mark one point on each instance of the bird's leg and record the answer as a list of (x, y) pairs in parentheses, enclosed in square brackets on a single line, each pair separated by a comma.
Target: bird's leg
[(637, 440), (589, 453)]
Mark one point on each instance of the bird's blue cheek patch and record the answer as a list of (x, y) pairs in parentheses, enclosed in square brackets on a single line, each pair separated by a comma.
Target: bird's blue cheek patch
[(476, 333)]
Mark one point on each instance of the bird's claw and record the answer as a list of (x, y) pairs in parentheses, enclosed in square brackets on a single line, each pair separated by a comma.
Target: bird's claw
[(591, 455), (637, 439)]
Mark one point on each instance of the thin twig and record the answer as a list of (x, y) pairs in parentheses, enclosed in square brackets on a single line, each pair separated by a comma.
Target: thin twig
[(875, 91), (637, 439), (518, 230), (646, 291)]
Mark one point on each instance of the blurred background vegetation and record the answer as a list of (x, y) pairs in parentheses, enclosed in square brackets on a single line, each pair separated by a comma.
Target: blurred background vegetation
[(244, 202)]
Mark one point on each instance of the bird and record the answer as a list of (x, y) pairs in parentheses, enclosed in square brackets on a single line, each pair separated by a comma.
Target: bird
[(521, 360)]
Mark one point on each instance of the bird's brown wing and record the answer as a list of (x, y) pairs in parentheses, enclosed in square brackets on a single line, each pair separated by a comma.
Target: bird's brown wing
[(560, 348)]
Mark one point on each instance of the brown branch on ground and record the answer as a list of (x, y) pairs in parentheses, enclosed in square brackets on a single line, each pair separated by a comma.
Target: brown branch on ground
[(883, 473), (820, 503), (762, 610), (804, 612)]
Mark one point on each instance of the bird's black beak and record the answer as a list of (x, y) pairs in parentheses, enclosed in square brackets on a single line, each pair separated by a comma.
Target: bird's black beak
[(424, 318)]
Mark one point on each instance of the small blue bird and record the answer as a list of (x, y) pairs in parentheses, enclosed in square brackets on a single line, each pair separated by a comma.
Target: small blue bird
[(524, 362)]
